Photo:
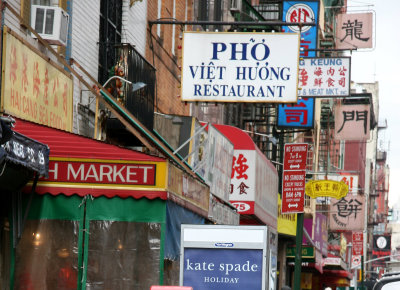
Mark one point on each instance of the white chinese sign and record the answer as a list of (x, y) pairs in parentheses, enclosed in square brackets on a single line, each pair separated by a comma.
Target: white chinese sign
[(324, 77), (240, 67)]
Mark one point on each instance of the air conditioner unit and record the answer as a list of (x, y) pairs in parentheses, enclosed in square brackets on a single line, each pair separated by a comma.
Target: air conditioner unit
[(236, 6), (51, 23)]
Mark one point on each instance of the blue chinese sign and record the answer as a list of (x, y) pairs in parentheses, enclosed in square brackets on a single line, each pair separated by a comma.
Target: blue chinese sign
[(223, 269), (300, 115), (303, 11)]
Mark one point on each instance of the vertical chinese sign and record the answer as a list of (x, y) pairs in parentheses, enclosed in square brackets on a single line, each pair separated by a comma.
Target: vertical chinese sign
[(33, 87), (301, 12), (300, 114), (294, 175)]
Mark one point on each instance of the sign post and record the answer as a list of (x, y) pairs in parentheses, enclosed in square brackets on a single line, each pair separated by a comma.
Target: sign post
[(293, 187)]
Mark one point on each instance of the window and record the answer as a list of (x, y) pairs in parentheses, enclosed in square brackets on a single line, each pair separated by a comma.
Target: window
[(110, 35)]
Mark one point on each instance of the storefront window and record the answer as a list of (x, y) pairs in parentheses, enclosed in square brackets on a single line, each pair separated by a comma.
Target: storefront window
[(123, 255), (47, 255)]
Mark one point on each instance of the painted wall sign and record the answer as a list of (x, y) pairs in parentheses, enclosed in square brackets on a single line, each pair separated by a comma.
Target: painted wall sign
[(33, 88), (324, 77), (300, 12), (240, 67), (354, 31), (352, 122), (299, 115), (223, 257)]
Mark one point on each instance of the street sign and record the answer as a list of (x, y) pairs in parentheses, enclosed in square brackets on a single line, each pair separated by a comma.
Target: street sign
[(357, 243), (293, 183), (295, 156)]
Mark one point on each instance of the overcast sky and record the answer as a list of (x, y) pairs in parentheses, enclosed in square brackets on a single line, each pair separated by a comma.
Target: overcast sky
[(382, 64)]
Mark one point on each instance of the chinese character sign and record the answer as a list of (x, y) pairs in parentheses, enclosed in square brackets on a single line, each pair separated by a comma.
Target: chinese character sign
[(242, 189), (324, 77), (354, 31), (33, 88), (347, 213), (297, 115), (352, 122), (240, 67), (300, 12)]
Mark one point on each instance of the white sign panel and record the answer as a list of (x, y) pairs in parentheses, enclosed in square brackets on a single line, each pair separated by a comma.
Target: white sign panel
[(224, 257), (218, 170), (324, 77), (240, 67)]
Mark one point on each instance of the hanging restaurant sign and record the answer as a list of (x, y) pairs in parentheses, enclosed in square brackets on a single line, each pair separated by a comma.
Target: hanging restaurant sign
[(330, 188), (324, 77), (240, 67), (34, 88)]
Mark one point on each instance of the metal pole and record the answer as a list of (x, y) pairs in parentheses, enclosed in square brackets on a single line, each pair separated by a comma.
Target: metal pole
[(362, 272), (233, 23), (297, 258)]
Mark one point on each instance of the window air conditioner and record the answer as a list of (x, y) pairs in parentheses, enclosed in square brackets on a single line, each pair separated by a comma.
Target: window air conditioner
[(236, 5), (51, 23)]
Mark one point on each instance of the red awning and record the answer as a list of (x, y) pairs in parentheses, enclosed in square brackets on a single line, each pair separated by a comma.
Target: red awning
[(87, 166), (240, 139), (65, 144)]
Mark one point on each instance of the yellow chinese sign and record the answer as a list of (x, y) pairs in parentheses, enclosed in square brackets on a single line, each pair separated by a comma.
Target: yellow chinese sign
[(33, 88), (319, 188)]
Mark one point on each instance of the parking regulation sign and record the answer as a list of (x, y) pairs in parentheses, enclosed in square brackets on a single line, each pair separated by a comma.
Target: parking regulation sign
[(295, 157), (293, 191), (294, 176)]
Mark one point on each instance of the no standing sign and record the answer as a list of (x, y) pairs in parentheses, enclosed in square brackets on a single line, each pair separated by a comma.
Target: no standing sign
[(293, 180)]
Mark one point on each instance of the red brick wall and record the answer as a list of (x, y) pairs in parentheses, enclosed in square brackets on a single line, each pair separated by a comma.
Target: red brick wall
[(167, 64)]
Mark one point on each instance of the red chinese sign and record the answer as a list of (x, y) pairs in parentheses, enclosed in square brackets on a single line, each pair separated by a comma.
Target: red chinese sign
[(358, 243), (293, 180)]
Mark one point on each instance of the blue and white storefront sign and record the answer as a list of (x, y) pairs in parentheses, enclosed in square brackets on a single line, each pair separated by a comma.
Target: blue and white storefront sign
[(223, 257), (299, 115), (301, 12), (240, 67), (324, 77)]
